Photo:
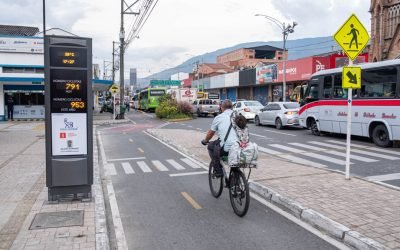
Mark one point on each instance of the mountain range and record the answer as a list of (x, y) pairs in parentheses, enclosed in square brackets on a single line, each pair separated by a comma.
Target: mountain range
[(298, 48)]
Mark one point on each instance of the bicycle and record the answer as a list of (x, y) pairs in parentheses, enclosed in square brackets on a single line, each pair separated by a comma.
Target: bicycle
[(236, 182)]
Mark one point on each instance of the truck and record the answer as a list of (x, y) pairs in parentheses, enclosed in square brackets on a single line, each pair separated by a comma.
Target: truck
[(203, 107), (183, 94)]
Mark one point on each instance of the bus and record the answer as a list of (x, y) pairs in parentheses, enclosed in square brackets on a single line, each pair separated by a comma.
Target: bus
[(135, 100), (375, 107), (148, 98)]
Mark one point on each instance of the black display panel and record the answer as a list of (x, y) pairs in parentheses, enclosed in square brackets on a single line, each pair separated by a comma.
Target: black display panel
[(68, 90), (68, 57)]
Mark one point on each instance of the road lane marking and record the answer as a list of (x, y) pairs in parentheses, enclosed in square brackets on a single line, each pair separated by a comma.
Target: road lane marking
[(276, 132), (144, 167), (191, 173), (127, 159), (110, 169), (290, 149), (262, 136), (176, 165), (291, 158), (190, 163), (363, 151), (301, 223), (332, 152), (367, 147), (127, 168), (384, 177), (191, 201), (198, 128), (117, 223), (141, 150), (130, 140), (176, 150), (160, 166)]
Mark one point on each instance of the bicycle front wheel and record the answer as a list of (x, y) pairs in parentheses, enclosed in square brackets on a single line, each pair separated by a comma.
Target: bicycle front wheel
[(215, 182), (239, 192)]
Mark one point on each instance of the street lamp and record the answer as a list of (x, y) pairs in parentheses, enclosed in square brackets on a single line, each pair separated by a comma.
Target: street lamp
[(286, 30)]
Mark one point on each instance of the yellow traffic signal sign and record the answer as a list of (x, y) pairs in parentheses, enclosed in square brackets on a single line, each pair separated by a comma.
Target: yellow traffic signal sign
[(351, 77), (114, 89), (352, 37)]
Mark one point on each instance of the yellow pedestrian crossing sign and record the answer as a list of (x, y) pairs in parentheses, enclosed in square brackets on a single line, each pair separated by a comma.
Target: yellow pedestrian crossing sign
[(351, 77), (352, 37), (114, 89)]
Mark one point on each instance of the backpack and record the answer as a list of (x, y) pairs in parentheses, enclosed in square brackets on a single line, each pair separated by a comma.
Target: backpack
[(243, 153)]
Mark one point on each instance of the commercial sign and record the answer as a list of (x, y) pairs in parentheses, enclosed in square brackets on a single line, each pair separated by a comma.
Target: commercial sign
[(30, 111), (267, 74), (21, 44), (164, 83), (69, 134)]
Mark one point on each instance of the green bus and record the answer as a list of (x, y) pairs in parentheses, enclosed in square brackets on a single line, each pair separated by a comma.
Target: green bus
[(148, 98)]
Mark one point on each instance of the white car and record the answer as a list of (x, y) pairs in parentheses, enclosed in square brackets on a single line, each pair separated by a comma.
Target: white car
[(248, 109), (280, 114)]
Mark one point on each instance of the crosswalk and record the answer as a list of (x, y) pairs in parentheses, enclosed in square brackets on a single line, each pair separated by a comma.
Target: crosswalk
[(130, 167), (328, 153)]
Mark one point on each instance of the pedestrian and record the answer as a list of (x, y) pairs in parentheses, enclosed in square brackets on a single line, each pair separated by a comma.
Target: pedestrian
[(10, 107)]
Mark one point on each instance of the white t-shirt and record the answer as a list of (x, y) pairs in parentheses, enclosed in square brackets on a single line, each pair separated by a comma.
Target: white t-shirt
[(220, 125)]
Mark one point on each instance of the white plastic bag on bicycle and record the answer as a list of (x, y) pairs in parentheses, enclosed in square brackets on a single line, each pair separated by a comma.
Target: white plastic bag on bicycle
[(244, 157)]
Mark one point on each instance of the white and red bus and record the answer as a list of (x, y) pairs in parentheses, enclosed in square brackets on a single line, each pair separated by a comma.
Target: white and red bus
[(376, 106)]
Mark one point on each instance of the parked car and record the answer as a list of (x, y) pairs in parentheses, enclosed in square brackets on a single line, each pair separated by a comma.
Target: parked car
[(248, 109), (280, 114), (203, 107)]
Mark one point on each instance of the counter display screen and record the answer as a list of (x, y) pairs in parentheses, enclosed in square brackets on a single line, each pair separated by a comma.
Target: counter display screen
[(68, 57), (68, 91)]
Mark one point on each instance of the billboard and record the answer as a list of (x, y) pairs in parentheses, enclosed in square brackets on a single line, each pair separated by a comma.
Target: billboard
[(267, 74), (21, 44)]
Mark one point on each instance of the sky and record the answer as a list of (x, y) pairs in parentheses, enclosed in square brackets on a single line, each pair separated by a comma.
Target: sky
[(180, 29)]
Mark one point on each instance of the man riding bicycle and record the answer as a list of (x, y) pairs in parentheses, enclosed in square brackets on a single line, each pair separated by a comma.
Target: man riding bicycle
[(226, 137)]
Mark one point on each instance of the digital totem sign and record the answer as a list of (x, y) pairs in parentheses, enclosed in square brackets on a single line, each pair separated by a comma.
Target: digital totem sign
[(69, 103)]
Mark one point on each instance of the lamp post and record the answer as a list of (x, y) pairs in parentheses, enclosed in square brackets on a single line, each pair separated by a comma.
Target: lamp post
[(286, 30), (121, 63)]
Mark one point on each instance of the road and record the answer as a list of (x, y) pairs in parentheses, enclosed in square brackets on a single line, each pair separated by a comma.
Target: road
[(162, 199), (326, 151)]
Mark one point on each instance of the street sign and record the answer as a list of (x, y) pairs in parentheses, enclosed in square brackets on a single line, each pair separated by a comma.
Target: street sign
[(114, 89), (351, 77), (352, 37)]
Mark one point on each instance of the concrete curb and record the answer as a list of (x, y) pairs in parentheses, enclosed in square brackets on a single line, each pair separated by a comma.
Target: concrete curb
[(317, 220), (313, 218), (106, 122), (102, 240)]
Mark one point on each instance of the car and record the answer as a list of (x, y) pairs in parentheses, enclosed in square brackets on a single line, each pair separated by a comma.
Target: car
[(248, 109), (203, 107), (280, 114)]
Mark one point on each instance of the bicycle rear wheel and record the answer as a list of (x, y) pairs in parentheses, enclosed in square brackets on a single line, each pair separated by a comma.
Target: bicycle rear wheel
[(239, 192), (216, 183)]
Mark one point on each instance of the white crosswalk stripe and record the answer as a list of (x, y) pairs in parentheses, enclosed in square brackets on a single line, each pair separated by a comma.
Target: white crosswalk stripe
[(354, 157), (144, 167), (385, 177), (127, 168), (291, 158), (110, 169), (290, 149), (387, 157), (190, 163), (160, 166), (387, 151), (327, 145), (176, 165)]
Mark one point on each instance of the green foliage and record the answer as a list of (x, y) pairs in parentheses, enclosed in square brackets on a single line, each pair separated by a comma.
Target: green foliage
[(169, 108)]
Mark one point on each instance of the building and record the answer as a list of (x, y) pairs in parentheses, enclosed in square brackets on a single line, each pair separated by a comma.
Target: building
[(22, 71), (385, 30), (133, 78), (250, 57)]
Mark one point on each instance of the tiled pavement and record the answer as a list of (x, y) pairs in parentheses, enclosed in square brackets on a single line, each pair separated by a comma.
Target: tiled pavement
[(359, 205)]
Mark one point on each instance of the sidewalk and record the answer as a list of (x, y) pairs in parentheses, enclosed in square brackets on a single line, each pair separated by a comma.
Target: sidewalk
[(24, 195), (359, 213)]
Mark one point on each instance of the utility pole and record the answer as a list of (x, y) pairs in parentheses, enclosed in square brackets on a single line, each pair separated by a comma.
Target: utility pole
[(113, 64), (121, 63)]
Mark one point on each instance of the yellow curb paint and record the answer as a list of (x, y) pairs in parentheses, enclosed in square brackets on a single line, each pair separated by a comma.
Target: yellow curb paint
[(39, 127), (141, 150), (191, 201)]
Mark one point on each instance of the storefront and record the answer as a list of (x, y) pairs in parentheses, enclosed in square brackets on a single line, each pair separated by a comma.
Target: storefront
[(28, 100)]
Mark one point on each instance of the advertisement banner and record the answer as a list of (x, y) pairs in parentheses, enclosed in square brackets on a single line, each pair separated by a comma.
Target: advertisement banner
[(69, 134), (266, 74), (21, 44), (24, 112)]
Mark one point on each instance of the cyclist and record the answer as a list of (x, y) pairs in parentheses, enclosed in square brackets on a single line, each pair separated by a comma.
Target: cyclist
[(226, 138)]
